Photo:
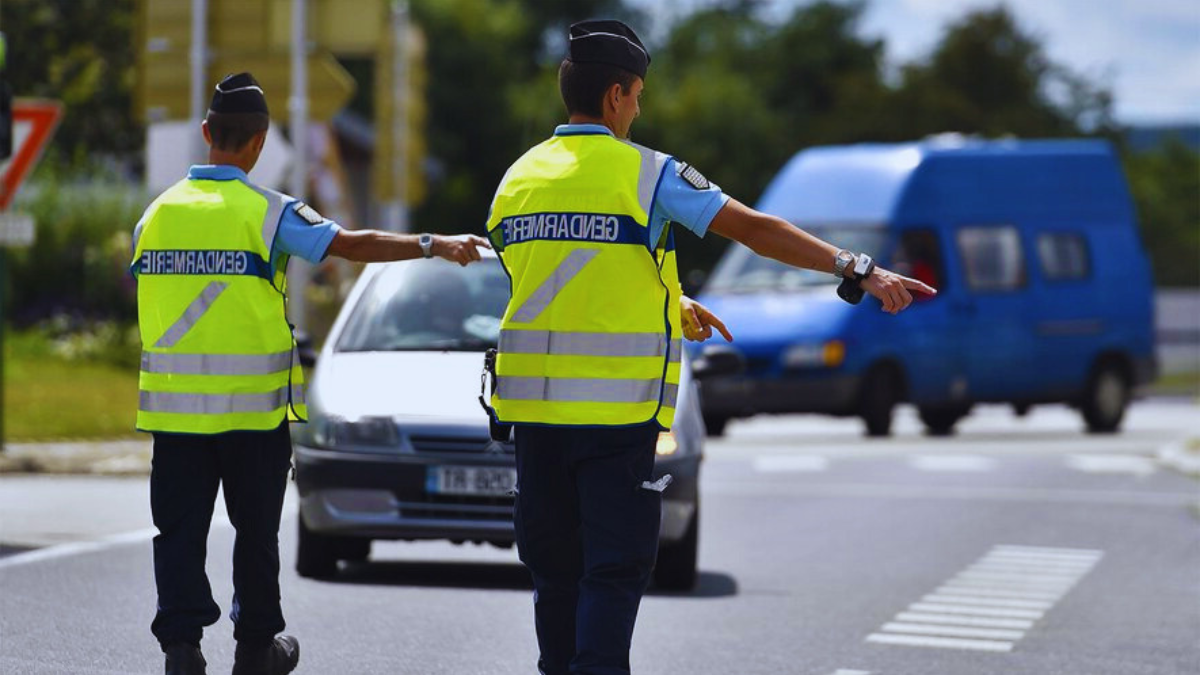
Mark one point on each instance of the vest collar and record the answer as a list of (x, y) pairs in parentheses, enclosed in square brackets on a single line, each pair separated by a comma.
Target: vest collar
[(216, 172), (582, 130)]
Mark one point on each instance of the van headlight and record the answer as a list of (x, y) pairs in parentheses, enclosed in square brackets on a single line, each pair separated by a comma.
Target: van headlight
[(828, 354), (335, 433)]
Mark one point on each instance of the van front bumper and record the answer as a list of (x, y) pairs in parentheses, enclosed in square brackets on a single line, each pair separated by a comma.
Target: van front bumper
[(741, 396)]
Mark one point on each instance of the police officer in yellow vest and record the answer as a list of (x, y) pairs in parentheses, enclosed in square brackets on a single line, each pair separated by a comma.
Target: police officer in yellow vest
[(589, 351), (220, 379)]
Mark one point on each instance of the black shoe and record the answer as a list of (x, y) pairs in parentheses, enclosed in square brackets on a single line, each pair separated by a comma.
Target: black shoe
[(278, 657), (184, 659)]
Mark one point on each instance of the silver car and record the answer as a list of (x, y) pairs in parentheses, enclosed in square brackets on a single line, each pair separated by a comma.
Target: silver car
[(397, 445)]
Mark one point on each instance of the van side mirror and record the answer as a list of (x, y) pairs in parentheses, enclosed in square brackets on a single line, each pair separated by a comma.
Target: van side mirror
[(718, 361)]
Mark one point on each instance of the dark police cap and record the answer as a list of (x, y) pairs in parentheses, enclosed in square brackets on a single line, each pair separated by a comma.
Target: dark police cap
[(238, 93), (610, 42)]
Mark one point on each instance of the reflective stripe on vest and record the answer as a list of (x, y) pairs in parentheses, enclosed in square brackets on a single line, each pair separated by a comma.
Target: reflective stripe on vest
[(591, 335), (219, 354)]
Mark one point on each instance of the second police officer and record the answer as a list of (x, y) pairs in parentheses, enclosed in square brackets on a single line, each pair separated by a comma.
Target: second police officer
[(589, 353)]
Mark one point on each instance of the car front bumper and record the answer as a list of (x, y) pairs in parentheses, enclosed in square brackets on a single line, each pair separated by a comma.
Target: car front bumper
[(385, 497)]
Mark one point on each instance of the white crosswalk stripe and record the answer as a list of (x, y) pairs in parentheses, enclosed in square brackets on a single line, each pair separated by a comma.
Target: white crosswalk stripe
[(952, 463), (991, 604), (786, 463)]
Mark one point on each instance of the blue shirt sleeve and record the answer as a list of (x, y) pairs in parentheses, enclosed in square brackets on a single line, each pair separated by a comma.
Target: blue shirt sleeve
[(680, 201), (303, 238)]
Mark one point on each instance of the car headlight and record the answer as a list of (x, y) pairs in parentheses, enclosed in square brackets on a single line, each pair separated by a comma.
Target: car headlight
[(334, 433), (829, 354)]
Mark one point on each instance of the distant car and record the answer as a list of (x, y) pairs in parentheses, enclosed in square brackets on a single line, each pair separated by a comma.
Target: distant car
[(1045, 290), (397, 445)]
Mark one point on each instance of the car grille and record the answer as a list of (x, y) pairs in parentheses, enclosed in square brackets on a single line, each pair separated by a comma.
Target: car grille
[(463, 444), (459, 508)]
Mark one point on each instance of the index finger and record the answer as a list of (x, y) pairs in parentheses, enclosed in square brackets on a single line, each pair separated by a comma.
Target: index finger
[(480, 241), (920, 287), (714, 321)]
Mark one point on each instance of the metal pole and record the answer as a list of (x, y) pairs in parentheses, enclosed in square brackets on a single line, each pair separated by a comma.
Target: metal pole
[(298, 270), (400, 114), (198, 60), (3, 329)]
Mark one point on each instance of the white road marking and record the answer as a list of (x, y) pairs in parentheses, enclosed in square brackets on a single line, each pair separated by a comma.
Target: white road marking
[(952, 463), (788, 463), (1120, 464), (987, 602), (76, 548), (953, 631), (958, 620), (990, 591), (843, 671), (990, 604), (944, 642), (977, 611)]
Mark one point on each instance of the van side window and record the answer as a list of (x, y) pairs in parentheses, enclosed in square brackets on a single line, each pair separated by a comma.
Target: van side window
[(992, 258), (1063, 256), (919, 256)]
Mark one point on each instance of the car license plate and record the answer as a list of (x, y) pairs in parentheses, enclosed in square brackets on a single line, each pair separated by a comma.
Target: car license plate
[(482, 481)]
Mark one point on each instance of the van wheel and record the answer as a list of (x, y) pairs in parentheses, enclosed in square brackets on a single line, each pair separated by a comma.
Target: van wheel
[(676, 566), (1105, 399), (941, 421), (714, 425), (880, 394), (1021, 409), (316, 554)]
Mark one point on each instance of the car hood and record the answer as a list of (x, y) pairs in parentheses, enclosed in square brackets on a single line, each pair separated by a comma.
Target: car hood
[(768, 319), (415, 385)]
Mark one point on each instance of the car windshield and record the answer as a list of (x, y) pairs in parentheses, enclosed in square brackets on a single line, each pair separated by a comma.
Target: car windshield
[(429, 305), (743, 271)]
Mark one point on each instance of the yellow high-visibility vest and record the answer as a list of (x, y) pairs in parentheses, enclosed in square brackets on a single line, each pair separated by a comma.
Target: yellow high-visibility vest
[(217, 351), (591, 335)]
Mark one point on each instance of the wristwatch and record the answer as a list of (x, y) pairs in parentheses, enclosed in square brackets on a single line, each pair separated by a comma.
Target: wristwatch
[(425, 241), (841, 261)]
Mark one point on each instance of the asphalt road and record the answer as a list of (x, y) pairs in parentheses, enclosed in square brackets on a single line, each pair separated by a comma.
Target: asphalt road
[(1018, 546)]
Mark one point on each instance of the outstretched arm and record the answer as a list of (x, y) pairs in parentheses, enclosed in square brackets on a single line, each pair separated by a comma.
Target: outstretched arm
[(379, 246), (776, 238)]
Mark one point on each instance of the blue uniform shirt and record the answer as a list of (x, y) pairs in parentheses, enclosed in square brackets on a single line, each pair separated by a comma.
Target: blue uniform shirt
[(677, 200), (296, 236)]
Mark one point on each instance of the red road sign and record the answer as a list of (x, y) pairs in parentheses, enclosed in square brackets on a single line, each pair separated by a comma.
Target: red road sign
[(33, 124)]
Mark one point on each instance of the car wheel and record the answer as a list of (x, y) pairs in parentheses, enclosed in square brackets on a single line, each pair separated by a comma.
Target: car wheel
[(1021, 409), (880, 394), (941, 421), (715, 426), (316, 554), (676, 566), (1105, 399)]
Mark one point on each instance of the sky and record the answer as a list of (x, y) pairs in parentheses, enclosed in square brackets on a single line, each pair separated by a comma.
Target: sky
[(1146, 51)]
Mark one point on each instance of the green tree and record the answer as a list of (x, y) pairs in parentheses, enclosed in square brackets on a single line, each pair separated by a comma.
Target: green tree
[(82, 53), (988, 77), (1166, 188)]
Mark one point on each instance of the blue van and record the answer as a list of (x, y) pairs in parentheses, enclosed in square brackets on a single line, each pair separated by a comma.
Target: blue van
[(1045, 288)]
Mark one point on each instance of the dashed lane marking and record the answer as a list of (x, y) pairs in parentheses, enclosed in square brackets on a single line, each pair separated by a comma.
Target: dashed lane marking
[(789, 463), (1120, 464), (990, 605), (952, 463)]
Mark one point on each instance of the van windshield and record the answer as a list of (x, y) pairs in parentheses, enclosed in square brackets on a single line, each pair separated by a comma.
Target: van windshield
[(743, 271)]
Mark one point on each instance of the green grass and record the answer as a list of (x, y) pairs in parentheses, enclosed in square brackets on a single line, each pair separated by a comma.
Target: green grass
[(49, 397)]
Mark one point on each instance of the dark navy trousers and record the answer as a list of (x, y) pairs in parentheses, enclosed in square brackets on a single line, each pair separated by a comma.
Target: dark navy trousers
[(588, 532), (252, 468)]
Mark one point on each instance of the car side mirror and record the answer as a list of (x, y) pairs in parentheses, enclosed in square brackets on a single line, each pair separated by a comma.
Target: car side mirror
[(304, 345)]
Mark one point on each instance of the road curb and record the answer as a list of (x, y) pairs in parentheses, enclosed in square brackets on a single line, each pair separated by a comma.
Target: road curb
[(126, 457)]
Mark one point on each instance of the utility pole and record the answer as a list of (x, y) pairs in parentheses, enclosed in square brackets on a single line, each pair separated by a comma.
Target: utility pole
[(198, 60), (396, 210), (299, 270)]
